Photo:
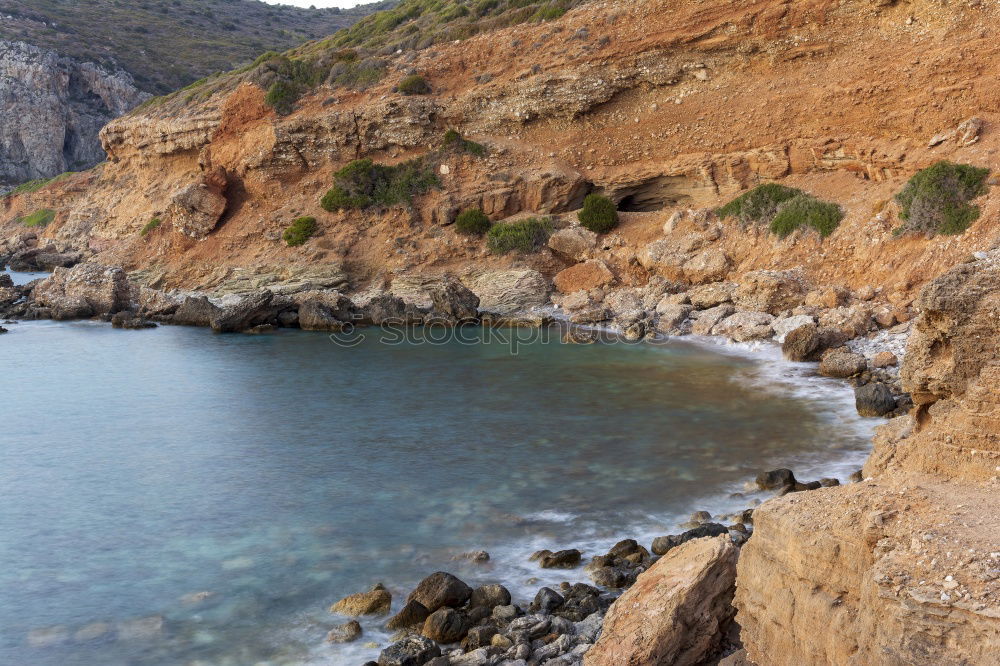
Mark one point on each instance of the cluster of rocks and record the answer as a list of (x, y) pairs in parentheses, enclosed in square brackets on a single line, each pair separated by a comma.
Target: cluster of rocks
[(445, 622), (481, 624), (27, 254), (93, 290), (686, 296)]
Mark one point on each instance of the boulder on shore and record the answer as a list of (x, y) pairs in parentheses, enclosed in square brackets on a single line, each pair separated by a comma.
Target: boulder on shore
[(874, 399), (86, 290), (411, 651), (440, 589), (678, 611)]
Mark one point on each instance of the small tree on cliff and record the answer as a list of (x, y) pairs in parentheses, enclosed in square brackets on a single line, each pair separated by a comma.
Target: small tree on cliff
[(599, 214)]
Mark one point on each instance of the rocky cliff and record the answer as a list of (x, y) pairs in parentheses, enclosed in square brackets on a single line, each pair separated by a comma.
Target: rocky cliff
[(66, 69), (53, 109)]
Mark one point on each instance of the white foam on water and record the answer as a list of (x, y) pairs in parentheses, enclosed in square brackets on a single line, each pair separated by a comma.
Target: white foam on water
[(833, 401)]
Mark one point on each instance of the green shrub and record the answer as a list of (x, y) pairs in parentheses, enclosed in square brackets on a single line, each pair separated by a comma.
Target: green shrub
[(39, 218), (290, 79), (281, 96), (414, 84), (805, 210), (548, 13), (599, 214), (523, 236), (152, 224), (363, 184), (456, 141), (760, 204), (472, 221), (301, 230), (936, 199)]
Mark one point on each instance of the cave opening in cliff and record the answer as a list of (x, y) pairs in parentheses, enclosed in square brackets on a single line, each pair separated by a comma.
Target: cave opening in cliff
[(653, 195)]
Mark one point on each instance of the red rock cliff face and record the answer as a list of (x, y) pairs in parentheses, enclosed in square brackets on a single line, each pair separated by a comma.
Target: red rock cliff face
[(903, 568)]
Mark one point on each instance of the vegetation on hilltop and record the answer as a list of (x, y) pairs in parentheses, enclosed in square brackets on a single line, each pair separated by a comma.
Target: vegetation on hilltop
[(166, 44), (358, 57)]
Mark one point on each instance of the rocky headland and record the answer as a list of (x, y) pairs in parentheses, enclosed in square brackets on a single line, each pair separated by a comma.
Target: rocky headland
[(670, 110)]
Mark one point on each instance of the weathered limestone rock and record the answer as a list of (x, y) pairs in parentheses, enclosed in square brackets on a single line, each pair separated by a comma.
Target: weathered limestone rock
[(345, 633), (676, 612), (246, 312), (706, 320), (86, 290), (54, 107), (412, 613), (709, 265), (196, 209), (195, 311), (709, 295), (574, 243), (808, 342), (770, 291), (411, 651), (453, 300), (324, 310), (672, 317), (445, 625), (584, 276), (509, 292), (841, 363), (745, 326), (903, 568)]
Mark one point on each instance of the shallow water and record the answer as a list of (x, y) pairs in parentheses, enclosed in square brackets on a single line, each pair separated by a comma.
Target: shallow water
[(24, 278), (279, 473)]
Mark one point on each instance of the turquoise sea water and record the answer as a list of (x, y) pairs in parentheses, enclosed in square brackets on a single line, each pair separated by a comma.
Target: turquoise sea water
[(172, 496)]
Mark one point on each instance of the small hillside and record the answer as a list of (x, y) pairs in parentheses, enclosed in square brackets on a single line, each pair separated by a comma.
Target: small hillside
[(167, 44)]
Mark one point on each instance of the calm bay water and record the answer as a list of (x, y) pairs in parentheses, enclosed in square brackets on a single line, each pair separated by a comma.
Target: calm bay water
[(173, 496)]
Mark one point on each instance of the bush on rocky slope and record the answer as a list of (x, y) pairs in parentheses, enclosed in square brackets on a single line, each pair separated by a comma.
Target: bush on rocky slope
[(760, 204), (301, 230), (521, 236), (454, 140), (39, 218), (783, 209), (599, 214), (414, 84), (804, 210), (936, 199), (152, 224), (363, 184), (472, 221)]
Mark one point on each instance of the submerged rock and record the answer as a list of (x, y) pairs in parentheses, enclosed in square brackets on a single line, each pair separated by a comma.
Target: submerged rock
[(562, 559), (345, 633), (375, 601)]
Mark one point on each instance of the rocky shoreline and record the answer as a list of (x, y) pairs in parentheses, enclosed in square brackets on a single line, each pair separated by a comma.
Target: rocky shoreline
[(444, 621)]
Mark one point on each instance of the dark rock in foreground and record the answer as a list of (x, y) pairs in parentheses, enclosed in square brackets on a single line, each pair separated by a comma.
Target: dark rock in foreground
[(874, 399)]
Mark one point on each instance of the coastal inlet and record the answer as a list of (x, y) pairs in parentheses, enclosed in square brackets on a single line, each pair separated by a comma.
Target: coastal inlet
[(173, 496)]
